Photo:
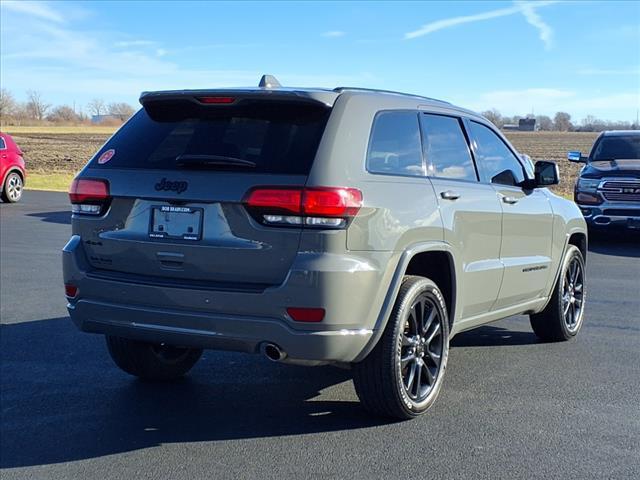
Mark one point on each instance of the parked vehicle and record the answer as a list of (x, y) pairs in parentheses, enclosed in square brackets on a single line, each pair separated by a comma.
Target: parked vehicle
[(12, 169), (608, 189), (349, 226)]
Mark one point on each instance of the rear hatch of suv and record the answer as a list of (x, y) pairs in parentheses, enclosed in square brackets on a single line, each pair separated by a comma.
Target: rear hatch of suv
[(164, 200)]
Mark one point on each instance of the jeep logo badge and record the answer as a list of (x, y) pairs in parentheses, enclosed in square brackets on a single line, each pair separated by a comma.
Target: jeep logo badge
[(170, 186)]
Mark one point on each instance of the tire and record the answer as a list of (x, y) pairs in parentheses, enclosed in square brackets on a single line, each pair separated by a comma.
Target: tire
[(563, 316), (12, 188), (383, 380), (156, 362)]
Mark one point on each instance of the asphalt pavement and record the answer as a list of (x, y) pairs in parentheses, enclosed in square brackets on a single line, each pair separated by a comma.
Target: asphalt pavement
[(511, 407)]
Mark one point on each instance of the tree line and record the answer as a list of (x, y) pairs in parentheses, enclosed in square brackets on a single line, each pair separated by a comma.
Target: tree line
[(36, 110), (561, 122)]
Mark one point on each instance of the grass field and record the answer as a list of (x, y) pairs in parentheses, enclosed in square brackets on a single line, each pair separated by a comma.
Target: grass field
[(55, 154)]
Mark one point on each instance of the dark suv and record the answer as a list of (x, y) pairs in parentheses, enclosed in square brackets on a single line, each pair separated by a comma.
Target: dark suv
[(347, 226), (608, 189)]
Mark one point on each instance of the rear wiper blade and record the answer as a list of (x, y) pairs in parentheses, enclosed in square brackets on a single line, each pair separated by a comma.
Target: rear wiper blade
[(212, 160)]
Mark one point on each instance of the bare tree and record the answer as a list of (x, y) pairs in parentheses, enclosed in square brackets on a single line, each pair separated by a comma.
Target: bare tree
[(121, 110), (494, 117), (96, 107), (562, 122), (63, 113), (544, 122), (36, 106), (8, 104)]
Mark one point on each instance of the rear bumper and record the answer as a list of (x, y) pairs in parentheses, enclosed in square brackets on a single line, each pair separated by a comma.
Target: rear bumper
[(350, 288), (614, 215)]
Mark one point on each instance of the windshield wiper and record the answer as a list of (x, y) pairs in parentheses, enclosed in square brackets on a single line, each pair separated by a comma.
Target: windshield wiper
[(192, 160)]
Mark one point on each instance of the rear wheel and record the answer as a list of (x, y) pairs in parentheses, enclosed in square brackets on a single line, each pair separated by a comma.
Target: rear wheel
[(151, 361), (562, 317), (12, 188), (402, 375)]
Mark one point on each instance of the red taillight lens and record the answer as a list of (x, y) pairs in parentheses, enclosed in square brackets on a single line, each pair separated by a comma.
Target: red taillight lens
[(276, 199), (89, 196), (331, 202), (306, 314), (216, 100), (70, 290), (87, 190), (318, 207)]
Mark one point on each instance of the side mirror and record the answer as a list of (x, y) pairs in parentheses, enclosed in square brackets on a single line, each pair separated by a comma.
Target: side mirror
[(576, 157), (546, 173)]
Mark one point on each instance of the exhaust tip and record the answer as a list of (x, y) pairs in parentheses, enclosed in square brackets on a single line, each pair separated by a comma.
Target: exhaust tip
[(273, 352)]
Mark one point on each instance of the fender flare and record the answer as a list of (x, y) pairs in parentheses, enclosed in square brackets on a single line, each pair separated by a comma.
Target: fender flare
[(9, 172), (560, 262), (394, 287)]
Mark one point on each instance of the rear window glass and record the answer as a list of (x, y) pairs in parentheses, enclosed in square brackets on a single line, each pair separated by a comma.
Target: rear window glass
[(276, 137), (2, 144), (446, 149), (395, 147)]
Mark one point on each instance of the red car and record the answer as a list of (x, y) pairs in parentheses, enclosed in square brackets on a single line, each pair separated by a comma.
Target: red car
[(12, 170)]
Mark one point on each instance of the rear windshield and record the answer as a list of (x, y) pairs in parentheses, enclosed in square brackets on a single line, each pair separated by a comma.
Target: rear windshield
[(270, 136), (617, 148)]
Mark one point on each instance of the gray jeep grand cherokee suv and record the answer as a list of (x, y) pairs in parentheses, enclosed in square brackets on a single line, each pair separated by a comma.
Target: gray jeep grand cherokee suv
[(347, 226)]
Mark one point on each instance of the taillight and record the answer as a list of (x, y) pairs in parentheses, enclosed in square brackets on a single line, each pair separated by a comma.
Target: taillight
[(89, 196), (320, 207), (71, 291)]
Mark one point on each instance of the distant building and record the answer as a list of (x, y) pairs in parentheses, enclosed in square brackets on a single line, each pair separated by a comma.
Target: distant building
[(524, 125), (104, 118)]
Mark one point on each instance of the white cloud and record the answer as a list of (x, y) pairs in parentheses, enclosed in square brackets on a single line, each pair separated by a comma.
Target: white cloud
[(528, 9), (333, 34), (34, 9), (533, 19), (41, 57), (134, 43)]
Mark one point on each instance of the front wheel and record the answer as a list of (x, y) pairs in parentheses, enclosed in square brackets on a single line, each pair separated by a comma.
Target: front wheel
[(151, 361), (562, 317), (402, 375)]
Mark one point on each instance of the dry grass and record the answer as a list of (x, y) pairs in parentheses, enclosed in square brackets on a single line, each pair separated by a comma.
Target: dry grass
[(554, 146), (52, 181), (60, 130), (65, 150)]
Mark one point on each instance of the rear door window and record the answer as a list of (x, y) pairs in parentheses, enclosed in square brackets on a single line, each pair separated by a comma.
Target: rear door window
[(265, 136), (3, 145), (496, 161), (394, 147), (445, 148)]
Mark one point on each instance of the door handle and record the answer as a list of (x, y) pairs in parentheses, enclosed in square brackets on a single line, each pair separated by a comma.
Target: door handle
[(450, 195), (509, 200)]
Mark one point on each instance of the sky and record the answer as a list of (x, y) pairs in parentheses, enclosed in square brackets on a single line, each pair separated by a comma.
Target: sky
[(518, 57)]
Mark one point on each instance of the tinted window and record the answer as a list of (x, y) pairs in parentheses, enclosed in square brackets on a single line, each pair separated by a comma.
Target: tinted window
[(617, 148), (495, 161), (2, 144), (446, 149), (278, 137), (394, 147)]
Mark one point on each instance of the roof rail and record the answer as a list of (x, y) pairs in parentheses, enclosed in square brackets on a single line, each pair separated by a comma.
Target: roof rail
[(359, 89)]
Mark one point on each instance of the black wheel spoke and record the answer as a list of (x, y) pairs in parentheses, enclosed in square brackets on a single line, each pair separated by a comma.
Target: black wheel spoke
[(428, 320)]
